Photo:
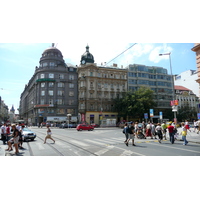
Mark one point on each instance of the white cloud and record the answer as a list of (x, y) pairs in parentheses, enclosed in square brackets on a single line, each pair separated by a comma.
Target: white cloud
[(154, 54)]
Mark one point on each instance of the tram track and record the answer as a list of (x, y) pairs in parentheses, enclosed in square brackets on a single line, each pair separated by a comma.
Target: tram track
[(70, 143)]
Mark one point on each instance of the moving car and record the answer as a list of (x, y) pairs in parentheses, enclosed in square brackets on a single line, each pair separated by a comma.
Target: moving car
[(28, 134), (81, 127), (95, 125)]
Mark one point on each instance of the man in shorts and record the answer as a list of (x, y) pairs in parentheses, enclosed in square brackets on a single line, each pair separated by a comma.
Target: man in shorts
[(131, 133)]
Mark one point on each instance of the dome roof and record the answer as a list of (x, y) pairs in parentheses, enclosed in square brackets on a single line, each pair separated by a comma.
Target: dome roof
[(87, 56), (54, 49), (51, 53)]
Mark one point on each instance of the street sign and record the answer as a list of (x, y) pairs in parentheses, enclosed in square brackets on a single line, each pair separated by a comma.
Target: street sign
[(146, 115), (174, 108), (161, 115), (198, 115), (151, 113)]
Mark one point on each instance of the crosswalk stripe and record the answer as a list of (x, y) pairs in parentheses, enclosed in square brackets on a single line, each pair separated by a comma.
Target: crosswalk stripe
[(79, 143), (92, 141), (102, 151)]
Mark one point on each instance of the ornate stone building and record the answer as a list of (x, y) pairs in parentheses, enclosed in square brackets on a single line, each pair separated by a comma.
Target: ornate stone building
[(98, 86), (51, 93), (196, 49)]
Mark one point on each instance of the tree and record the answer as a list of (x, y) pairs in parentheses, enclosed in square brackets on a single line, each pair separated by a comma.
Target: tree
[(135, 104), (186, 113)]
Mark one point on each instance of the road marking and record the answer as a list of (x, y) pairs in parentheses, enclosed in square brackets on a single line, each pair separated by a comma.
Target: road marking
[(40, 146), (102, 151), (129, 151), (126, 153), (79, 143), (176, 148), (92, 141)]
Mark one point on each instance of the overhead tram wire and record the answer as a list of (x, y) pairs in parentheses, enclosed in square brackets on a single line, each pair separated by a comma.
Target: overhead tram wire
[(120, 54)]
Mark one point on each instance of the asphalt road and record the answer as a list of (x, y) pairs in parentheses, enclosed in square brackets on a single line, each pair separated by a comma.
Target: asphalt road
[(100, 142)]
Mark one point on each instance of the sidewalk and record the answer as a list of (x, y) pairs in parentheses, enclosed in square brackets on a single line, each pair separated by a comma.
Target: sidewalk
[(191, 136)]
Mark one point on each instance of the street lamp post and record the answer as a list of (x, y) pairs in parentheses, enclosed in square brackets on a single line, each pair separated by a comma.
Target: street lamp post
[(172, 81), (68, 116)]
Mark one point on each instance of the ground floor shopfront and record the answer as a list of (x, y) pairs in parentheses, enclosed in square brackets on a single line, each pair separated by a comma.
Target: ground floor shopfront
[(103, 119)]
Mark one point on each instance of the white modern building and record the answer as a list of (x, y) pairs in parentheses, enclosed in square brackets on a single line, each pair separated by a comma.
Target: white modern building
[(188, 79)]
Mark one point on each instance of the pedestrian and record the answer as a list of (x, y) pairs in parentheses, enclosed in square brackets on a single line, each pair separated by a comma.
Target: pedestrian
[(187, 126), (21, 136), (159, 132), (125, 131), (14, 139), (184, 133), (3, 133), (148, 130), (48, 136), (171, 133), (196, 125), (136, 129), (164, 130), (8, 129), (153, 131), (131, 133)]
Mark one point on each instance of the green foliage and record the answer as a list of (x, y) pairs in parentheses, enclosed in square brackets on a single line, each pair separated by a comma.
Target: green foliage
[(135, 104), (186, 113)]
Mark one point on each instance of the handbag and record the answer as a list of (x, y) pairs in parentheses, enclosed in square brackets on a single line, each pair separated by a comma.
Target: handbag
[(123, 131)]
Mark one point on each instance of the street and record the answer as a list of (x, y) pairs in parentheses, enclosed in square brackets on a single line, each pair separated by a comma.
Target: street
[(100, 142)]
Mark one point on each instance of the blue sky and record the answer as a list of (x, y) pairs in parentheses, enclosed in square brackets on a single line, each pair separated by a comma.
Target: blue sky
[(18, 60)]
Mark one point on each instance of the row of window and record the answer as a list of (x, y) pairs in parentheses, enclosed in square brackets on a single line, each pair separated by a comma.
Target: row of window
[(103, 75), (57, 111), (148, 69), (51, 84), (149, 83), (59, 93), (58, 102), (50, 75), (150, 76)]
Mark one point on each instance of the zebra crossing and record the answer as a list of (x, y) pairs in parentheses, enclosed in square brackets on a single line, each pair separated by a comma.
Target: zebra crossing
[(109, 145)]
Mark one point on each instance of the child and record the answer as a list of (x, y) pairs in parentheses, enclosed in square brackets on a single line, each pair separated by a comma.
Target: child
[(184, 133)]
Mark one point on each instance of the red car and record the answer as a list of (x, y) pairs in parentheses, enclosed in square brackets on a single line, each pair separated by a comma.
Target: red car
[(95, 125), (81, 127)]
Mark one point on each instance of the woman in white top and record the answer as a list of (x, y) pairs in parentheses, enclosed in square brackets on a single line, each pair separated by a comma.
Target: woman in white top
[(48, 135)]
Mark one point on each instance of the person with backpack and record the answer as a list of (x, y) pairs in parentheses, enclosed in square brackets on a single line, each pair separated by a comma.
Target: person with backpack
[(131, 133), (126, 132)]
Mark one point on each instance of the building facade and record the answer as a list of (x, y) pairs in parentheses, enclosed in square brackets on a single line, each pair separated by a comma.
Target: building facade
[(98, 86), (188, 79), (196, 49), (186, 97), (3, 111), (157, 79), (51, 93)]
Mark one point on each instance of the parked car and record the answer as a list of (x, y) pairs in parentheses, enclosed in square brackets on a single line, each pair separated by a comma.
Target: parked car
[(81, 127), (28, 134), (95, 125), (65, 125)]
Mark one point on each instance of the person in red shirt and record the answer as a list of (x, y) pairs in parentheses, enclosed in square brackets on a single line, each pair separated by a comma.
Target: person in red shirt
[(171, 132)]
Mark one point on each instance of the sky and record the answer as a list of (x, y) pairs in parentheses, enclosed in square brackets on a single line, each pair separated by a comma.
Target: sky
[(18, 60)]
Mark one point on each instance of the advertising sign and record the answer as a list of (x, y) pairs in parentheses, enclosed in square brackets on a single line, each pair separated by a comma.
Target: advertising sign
[(151, 113), (161, 115), (146, 115)]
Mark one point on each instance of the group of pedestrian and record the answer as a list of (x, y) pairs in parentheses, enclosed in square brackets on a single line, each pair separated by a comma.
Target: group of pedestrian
[(12, 136), (159, 130)]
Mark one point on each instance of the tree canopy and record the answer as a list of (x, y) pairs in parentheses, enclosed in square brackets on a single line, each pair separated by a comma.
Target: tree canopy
[(135, 104)]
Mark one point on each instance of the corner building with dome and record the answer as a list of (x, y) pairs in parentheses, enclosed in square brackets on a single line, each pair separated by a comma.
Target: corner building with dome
[(51, 94), (98, 86)]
